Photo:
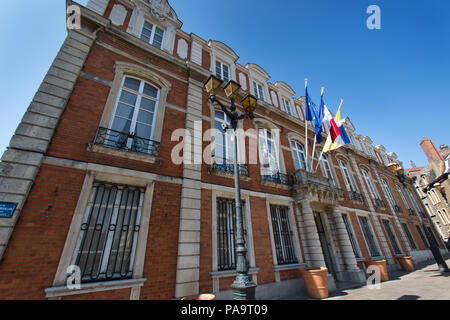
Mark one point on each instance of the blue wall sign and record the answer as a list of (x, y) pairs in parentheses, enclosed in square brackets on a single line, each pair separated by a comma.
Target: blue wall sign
[(7, 209)]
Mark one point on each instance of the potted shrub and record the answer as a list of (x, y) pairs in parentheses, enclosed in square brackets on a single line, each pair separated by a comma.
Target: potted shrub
[(381, 264), (406, 263), (316, 282)]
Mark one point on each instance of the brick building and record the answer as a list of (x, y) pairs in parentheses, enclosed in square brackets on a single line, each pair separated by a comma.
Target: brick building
[(91, 170), (433, 186)]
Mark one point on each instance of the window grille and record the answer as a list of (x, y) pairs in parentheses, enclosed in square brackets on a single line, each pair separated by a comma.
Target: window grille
[(109, 233), (283, 235)]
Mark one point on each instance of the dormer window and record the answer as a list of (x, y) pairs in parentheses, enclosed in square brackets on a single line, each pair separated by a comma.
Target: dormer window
[(287, 107), (259, 91), (222, 71), (152, 34)]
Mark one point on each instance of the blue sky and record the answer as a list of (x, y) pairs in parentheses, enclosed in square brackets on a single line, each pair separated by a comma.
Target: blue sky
[(395, 82)]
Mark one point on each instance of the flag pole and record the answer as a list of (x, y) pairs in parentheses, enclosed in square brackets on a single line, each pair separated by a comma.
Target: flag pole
[(306, 128), (318, 162)]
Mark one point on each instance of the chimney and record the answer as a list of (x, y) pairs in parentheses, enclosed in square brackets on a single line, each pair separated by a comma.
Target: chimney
[(430, 150), (413, 164)]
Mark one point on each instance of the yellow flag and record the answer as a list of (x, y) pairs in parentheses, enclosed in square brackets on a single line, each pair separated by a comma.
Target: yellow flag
[(328, 144)]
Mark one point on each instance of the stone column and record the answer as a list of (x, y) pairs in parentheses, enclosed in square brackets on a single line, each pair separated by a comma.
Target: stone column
[(352, 271), (312, 242), (345, 245), (188, 266), (20, 164)]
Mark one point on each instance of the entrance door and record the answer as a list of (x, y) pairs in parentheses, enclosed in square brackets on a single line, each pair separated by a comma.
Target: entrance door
[(324, 243)]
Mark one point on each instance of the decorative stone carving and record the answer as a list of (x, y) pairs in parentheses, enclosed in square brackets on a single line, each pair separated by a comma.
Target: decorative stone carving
[(160, 9), (118, 15), (182, 50)]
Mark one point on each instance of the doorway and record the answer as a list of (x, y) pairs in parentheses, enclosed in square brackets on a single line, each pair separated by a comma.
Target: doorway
[(324, 243)]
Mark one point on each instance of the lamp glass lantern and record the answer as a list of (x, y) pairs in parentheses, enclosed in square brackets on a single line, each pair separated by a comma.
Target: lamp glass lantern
[(249, 103), (231, 89), (212, 84)]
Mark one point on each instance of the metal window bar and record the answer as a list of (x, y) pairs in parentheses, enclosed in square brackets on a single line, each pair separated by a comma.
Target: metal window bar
[(379, 203), (351, 236), (279, 178), (223, 165), (398, 209), (109, 233), (126, 141), (393, 240), (226, 233), (368, 235), (283, 235), (409, 236)]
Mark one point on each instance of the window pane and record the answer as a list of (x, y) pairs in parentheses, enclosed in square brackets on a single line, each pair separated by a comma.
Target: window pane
[(150, 91), (125, 111), (132, 84), (148, 105), (158, 38), (226, 74), (121, 125), (128, 98), (145, 117), (143, 131), (283, 235)]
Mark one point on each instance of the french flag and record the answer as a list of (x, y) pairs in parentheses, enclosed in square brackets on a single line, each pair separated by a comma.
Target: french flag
[(331, 125)]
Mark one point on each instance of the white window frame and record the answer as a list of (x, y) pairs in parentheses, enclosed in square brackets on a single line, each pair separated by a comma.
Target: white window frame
[(388, 192), (405, 202), (369, 182), (297, 151), (348, 179), (228, 140), (222, 70), (152, 35), (258, 89), (287, 106), (140, 95), (326, 167), (263, 140)]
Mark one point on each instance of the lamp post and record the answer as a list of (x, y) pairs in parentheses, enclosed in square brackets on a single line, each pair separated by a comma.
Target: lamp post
[(243, 287), (398, 171)]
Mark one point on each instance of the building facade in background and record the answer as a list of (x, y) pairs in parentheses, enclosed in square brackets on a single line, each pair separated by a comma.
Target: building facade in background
[(433, 185), (91, 168)]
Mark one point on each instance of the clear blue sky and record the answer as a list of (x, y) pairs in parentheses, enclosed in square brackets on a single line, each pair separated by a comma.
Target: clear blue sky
[(395, 82)]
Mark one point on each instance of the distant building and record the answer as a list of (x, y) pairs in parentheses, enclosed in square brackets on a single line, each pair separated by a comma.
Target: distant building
[(433, 185)]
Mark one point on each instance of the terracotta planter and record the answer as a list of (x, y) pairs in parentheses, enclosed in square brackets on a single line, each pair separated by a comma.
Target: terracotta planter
[(316, 282), (380, 264), (204, 296), (406, 263)]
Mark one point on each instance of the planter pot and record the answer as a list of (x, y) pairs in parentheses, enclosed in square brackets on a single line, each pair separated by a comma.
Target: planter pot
[(381, 264), (316, 282), (406, 263), (204, 296)]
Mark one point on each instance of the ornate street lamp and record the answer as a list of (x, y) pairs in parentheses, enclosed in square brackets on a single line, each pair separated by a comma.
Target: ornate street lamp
[(398, 171), (243, 287)]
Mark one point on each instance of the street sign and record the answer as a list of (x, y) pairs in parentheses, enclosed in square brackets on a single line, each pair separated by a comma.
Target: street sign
[(7, 209)]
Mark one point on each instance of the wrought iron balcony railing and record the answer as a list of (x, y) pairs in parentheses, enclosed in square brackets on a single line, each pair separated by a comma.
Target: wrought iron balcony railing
[(279, 178), (222, 165), (355, 196), (127, 142), (379, 203), (411, 212), (398, 209)]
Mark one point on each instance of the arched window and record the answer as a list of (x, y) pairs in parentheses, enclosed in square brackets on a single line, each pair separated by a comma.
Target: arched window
[(349, 182), (372, 189), (325, 166), (224, 140), (268, 149), (299, 155), (388, 192), (436, 197), (405, 202)]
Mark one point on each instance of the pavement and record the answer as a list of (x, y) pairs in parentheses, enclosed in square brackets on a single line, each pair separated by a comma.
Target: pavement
[(425, 283)]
